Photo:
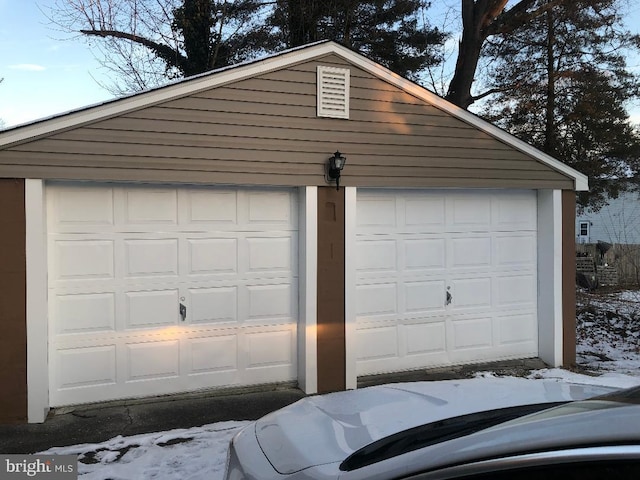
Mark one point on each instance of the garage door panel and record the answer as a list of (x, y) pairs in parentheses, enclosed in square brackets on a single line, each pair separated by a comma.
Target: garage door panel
[(377, 299), (270, 301), (204, 207), (515, 251), (82, 208), (212, 256), (470, 293), (516, 212), (426, 338), (469, 212), (469, 252), (151, 257), (151, 309), (375, 212), (516, 291), (377, 342), (83, 259), (212, 354), (424, 254), (271, 208), (152, 360), (213, 305), (71, 372), (515, 328), (424, 211), (270, 348), (228, 254), (82, 313), (269, 254), (376, 255), (150, 206), (471, 333), (424, 296)]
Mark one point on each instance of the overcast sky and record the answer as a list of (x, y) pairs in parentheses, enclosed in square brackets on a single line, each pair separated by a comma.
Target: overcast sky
[(45, 75)]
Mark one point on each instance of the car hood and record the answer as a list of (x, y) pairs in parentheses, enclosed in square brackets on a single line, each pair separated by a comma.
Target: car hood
[(327, 428)]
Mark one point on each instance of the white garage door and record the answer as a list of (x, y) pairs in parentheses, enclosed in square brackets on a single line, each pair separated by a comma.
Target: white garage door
[(154, 290), (415, 249)]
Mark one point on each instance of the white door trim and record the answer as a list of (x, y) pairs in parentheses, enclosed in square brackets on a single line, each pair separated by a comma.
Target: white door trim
[(308, 290), (550, 320), (350, 297), (37, 318)]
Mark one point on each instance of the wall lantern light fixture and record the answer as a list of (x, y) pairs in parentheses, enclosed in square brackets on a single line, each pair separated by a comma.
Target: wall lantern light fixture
[(334, 167)]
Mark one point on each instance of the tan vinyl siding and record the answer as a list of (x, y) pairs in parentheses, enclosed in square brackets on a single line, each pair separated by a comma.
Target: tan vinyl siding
[(264, 131)]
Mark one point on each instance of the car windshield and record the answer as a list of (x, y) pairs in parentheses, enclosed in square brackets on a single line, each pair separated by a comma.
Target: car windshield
[(436, 432), (610, 400), (568, 409)]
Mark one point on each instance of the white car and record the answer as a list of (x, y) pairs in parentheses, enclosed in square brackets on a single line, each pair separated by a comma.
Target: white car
[(455, 429)]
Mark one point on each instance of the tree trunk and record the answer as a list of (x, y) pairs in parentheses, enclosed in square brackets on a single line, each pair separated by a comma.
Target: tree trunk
[(549, 126), (459, 91)]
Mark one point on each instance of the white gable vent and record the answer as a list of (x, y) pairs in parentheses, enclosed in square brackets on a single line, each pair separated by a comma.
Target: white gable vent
[(333, 92)]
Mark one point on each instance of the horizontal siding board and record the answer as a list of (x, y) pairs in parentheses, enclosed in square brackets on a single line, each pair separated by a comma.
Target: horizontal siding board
[(399, 102), (239, 95), (201, 104), (150, 175), (157, 163), (297, 152), (333, 140), (287, 162), (428, 116), (305, 95), (447, 182), (444, 172), (167, 138), (304, 128), (273, 86), (262, 115)]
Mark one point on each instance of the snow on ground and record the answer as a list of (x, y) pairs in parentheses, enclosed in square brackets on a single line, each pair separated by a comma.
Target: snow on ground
[(181, 454), (608, 331)]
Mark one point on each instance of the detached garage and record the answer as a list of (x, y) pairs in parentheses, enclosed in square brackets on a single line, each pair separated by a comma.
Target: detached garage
[(192, 237)]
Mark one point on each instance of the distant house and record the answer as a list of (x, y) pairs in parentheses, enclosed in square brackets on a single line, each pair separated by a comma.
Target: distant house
[(617, 222)]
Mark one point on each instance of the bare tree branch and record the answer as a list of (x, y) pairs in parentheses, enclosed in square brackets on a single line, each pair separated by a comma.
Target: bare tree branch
[(168, 54)]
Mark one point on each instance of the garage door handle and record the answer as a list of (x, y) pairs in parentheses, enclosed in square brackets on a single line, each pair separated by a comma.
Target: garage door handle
[(448, 298), (183, 312)]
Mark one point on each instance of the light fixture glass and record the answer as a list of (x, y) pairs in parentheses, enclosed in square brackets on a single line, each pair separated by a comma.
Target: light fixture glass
[(334, 167)]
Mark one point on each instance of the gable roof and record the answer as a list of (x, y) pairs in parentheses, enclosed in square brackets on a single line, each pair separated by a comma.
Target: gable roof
[(208, 80)]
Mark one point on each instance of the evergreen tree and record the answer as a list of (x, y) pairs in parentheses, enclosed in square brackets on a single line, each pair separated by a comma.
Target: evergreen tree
[(562, 86), (389, 32)]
